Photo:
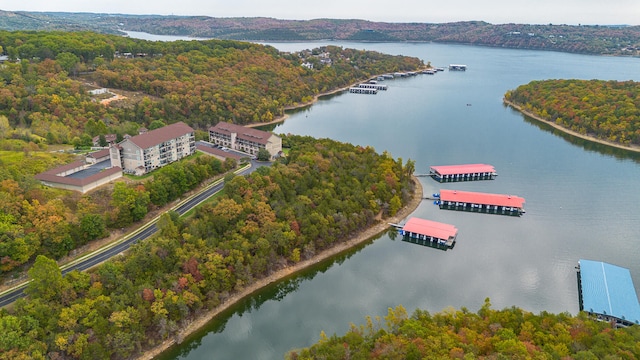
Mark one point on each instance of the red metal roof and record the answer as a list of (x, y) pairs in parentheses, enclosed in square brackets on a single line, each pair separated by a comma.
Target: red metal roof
[(430, 228), (482, 198), (463, 169)]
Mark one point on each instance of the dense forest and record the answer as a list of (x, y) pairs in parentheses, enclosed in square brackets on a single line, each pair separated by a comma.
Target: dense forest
[(44, 101), (606, 110), (585, 39), (323, 193), (45, 83), (511, 333), (45, 221)]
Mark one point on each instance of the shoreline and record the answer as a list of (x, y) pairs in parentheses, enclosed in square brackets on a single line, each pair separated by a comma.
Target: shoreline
[(357, 239), (568, 131), (284, 117)]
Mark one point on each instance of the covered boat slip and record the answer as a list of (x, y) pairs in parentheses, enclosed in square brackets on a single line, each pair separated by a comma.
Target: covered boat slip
[(606, 291), (429, 233), (481, 202), (466, 172)]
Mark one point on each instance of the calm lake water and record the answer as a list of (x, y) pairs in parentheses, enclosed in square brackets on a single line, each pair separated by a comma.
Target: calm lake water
[(582, 201)]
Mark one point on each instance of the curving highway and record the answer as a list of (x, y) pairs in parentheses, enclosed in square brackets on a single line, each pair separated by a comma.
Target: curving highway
[(9, 296)]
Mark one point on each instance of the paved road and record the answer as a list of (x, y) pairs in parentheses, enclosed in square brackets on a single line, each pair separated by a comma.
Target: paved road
[(150, 229)]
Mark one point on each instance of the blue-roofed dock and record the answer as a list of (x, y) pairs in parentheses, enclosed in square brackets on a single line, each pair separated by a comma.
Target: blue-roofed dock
[(607, 293)]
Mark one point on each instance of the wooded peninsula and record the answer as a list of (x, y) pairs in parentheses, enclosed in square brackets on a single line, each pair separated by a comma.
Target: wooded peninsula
[(608, 111), (510, 333)]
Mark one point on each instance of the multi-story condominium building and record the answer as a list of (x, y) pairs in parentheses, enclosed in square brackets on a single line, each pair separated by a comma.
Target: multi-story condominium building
[(148, 151), (245, 139)]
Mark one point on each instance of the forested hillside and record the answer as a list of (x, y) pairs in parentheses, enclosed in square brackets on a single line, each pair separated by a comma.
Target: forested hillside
[(510, 333), (199, 82), (321, 195), (585, 39), (606, 110), (35, 220), (44, 101)]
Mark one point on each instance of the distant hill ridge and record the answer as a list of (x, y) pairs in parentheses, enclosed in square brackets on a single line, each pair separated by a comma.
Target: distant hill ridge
[(585, 39)]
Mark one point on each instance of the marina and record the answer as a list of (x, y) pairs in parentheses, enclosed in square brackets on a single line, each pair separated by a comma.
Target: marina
[(467, 172), (606, 292), (481, 202), (428, 233)]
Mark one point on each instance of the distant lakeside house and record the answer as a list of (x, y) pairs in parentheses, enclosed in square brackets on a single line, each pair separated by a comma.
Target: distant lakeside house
[(145, 152), (245, 139)]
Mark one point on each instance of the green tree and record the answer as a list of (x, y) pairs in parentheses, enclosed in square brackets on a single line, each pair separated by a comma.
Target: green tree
[(67, 61), (5, 128), (102, 140), (92, 226), (130, 204), (156, 124), (46, 279), (263, 155)]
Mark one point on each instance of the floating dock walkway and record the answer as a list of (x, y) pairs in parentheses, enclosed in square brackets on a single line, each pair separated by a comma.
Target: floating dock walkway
[(359, 90), (466, 172), (606, 292), (481, 202), (428, 233), (373, 86)]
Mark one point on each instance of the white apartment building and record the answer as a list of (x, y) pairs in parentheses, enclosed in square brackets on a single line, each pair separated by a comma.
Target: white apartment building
[(154, 149)]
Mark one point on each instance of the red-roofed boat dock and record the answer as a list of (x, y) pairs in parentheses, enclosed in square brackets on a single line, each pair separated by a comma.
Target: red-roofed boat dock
[(428, 233), (481, 202), (466, 172)]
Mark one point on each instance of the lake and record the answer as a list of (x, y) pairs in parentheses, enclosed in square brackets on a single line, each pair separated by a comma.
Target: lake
[(582, 201)]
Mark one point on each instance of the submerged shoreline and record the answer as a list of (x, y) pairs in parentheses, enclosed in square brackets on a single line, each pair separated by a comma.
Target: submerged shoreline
[(339, 248), (570, 132)]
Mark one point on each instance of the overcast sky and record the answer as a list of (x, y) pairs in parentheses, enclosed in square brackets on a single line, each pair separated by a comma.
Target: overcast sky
[(572, 12)]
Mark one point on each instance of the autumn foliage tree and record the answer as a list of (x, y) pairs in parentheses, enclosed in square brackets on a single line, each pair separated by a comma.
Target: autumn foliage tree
[(606, 110), (322, 194), (510, 333)]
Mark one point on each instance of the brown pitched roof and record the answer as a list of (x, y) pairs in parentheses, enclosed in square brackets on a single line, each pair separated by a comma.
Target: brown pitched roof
[(157, 136), (244, 133), (98, 154), (52, 175)]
